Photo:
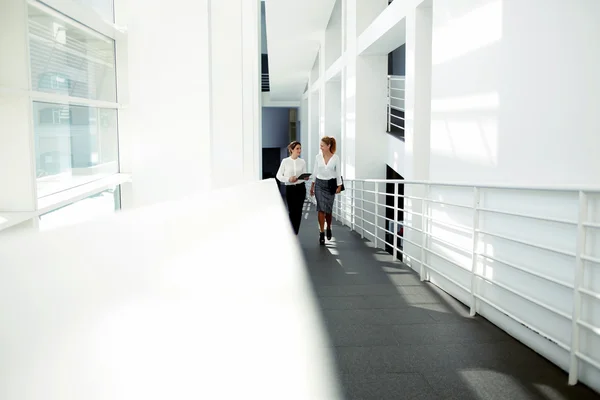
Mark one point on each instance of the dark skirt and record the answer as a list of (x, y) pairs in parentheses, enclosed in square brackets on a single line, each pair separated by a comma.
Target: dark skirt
[(324, 196)]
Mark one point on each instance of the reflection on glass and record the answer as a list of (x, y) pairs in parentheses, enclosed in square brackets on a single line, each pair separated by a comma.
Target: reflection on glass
[(104, 8), (74, 145), (69, 60), (95, 206)]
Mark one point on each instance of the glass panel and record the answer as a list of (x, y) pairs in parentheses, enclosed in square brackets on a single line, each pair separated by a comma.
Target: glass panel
[(104, 8), (74, 145), (98, 205), (69, 60)]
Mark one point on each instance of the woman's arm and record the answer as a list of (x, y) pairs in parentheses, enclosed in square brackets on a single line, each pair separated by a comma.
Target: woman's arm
[(281, 173), (338, 171), (314, 176)]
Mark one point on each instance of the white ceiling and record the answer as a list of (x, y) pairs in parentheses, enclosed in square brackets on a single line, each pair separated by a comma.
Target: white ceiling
[(293, 31)]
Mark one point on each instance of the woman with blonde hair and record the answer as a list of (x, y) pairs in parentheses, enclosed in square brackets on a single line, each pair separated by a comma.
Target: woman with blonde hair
[(327, 182), (289, 173)]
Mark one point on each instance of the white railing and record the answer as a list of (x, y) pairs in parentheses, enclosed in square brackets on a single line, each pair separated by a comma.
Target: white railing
[(395, 104), (526, 258), (265, 81)]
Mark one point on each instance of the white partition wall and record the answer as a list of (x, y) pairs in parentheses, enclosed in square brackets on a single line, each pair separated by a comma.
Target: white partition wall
[(160, 311)]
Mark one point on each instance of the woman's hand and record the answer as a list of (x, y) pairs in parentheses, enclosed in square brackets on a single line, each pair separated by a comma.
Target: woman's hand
[(312, 190), (338, 190), (293, 179)]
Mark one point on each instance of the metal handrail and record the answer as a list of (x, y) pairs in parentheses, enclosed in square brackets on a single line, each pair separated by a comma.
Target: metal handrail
[(395, 96), (355, 211)]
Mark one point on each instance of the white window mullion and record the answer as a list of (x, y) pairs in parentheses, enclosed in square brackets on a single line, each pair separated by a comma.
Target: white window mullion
[(69, 100), (70, 11)]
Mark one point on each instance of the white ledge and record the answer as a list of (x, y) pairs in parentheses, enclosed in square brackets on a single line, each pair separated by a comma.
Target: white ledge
[(55, 201), (64, 198)]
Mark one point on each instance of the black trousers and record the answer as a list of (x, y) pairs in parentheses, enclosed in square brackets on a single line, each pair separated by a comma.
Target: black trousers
[(295, 195)]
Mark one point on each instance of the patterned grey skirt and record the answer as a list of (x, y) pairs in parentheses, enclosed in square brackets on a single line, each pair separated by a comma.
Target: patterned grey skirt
[(324, 197)]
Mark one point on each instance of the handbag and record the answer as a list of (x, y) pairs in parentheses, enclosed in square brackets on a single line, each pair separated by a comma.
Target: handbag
[(333, 185)]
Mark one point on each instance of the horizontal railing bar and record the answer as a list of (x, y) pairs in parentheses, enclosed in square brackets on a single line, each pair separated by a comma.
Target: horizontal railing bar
[(397, 108), (594, 329), (410, 212), (396, 126), (445, 242), (396, 116), (524, 242), (590, 259), (522, 322), (591, 225), (588, 360), (485, 186), (435, 253), (396, 98), (449, 204), (411, 242), (590, 293), (526, 297), (393, 88), (562, 221), (364, 220), (449, 224), (412, 228), (443, 275), (526, 270)]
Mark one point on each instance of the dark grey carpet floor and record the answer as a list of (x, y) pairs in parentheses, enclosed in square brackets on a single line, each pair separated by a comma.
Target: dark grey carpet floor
[(395, 337)]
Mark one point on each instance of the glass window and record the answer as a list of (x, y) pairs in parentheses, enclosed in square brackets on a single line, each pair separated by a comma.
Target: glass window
[(104, 8), (100, 204), (71, 60), (74, 145)]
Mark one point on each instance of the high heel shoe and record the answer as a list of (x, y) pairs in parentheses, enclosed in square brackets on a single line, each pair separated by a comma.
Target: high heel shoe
[(329, 234), (321, 238)]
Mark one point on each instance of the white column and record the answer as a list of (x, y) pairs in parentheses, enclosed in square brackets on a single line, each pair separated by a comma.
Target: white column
[(17, 163), (322, 91), (192, 121), (364, 105), (166, 119), (235, 104), (418, 115)]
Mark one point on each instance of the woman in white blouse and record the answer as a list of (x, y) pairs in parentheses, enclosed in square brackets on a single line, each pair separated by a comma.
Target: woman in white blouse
[(327, 182), (295, 190)]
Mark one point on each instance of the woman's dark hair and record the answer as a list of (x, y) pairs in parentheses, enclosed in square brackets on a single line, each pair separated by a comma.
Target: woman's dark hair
[(293, 145), (329, 141)]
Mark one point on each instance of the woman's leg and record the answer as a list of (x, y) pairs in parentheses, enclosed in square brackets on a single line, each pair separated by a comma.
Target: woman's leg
[(289, 198), (328, 218), (296, 212), (321, 221)]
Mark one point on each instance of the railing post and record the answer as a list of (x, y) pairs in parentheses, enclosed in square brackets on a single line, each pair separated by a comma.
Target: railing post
[(395, 242), (578, 277), (362, 207), (424, 233), (376, 214), (389, 104), (353, 207), (476, 198)]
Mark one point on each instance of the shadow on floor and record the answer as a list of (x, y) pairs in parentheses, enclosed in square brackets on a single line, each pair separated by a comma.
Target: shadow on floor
[(394, 337)]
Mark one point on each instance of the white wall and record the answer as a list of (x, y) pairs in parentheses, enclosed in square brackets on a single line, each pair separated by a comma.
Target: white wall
[(500, 114), (167, 121), (395, 154), (182, 130), (333, 35), (17, 173)]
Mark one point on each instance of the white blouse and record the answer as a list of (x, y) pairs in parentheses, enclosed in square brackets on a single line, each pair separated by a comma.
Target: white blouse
[(331, 170), (290, 167)]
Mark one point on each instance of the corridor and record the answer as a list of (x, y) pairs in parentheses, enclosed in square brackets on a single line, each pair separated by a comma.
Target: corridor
[(394, 337)]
